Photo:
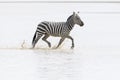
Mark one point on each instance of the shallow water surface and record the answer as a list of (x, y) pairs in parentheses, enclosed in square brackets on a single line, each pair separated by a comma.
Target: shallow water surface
[(60, 64)]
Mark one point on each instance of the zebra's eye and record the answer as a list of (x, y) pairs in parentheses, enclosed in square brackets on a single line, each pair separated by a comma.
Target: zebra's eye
[(77, 18)]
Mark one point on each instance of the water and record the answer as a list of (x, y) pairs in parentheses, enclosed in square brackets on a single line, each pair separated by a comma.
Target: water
[(60, 64)]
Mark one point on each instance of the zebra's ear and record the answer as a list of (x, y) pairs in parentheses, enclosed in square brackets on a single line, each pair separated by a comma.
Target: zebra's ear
[(78, 12), (74, 14)]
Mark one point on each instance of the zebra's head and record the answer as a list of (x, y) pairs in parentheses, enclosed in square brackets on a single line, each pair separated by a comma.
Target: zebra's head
[(77, 20)]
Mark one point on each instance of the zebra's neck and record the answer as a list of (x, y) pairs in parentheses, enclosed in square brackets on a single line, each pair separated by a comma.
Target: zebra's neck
[(70, 24)]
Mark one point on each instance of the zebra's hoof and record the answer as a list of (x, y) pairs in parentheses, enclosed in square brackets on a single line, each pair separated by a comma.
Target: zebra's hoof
[(55, 47), (72, 47), (31, 48), (49, 45)]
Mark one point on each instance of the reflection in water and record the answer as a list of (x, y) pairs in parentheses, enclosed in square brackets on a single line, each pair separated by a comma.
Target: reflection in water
[(38, 64), (56, 64), (60, 64)]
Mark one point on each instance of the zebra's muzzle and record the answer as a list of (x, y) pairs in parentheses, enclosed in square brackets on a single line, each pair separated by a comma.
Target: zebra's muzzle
[(81, 24)]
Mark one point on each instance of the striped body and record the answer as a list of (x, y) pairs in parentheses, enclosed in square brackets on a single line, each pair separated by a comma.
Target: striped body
[(58, 29)]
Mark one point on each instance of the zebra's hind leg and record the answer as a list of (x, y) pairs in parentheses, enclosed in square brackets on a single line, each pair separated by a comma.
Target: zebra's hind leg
[(45, 39), (37, 37), (60, 42), (69, 37)]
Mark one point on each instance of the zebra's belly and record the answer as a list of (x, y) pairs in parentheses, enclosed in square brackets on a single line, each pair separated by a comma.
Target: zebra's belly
[(55, 35), (59, 34)]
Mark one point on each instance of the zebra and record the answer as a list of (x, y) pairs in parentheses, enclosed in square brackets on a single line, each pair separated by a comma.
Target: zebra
[(57, 29)]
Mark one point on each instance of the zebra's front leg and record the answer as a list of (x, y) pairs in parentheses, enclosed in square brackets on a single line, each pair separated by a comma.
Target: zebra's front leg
[(45, 39), (60, 42), (69, 37)]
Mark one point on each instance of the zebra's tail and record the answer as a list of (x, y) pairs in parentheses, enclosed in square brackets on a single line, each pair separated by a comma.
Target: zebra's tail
[(33, 41)]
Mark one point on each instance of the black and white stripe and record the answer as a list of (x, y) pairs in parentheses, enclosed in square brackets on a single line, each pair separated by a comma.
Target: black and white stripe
[(58, 29)]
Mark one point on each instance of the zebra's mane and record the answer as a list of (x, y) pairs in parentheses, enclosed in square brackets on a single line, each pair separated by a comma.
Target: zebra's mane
[(69, 17)]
